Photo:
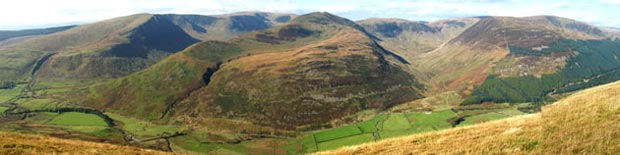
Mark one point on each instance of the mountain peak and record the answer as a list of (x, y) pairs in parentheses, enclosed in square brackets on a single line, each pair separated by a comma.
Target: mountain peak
[(324, 18)]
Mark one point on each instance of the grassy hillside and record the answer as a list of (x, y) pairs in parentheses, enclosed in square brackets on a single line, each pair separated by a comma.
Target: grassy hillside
[(321, 61), (331, 79), (488, 47), (587, 63), (174, 78), (583, 123), (124, 45), (15, 143)]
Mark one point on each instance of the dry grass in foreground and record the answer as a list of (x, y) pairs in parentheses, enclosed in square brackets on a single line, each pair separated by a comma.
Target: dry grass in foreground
[(16, 143), (587, 122)]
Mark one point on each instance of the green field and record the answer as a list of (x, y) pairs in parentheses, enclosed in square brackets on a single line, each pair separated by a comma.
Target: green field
[(396, 121), (300, 144), (2, 109), (337, 133), (86, 123), (78, 119), (369, 126), (142, 128), (309, 144), (189, 143), (418, 122), (482, 118), (7, 94), (397, 124), (436, 120)]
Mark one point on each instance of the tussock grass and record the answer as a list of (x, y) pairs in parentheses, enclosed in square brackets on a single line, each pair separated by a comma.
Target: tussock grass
[(583, 123), (15, 143)]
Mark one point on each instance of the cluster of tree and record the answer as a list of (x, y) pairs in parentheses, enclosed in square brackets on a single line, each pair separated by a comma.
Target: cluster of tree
[(598, 62), (8, 84), (109, 121), (558, 46)]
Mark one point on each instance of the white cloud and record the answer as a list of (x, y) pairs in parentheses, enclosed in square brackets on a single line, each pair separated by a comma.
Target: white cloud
[(611, 1), (17, 14)]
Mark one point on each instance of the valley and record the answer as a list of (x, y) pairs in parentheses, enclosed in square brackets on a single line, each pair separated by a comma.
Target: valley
[(273, 83)]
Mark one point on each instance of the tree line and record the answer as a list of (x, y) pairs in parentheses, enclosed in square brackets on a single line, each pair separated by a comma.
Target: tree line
[(597, 62)]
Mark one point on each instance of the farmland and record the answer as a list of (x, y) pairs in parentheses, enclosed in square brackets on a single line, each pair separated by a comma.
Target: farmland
[(86, 123), (7, 94), (398, 124)]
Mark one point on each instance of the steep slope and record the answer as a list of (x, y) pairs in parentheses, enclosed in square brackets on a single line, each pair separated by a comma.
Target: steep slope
[(130, 51), (494, 45), (583, 123), (410, 38), (318, 62), (570, 56), (15, 143), (123, 45)]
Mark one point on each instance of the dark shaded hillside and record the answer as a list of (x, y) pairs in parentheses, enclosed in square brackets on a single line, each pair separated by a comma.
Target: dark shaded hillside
[(146, 44), (156, 34), (393, 29), (223, 27)]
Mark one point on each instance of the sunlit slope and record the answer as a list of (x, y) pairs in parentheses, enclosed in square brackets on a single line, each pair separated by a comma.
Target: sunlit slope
[(124, 45), (15, 143), (318, 61), (490, 47), (583, 123)]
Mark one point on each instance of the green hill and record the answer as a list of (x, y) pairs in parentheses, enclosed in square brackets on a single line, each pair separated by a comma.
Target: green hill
[(501, 54), (316, 61), (120, 46), (256, 82)]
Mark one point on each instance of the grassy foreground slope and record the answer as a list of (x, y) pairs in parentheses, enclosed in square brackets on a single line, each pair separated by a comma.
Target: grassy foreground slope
[(583, 123), (15, 143)]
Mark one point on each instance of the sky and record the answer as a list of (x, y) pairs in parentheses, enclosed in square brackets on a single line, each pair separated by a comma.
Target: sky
[(26, 14)]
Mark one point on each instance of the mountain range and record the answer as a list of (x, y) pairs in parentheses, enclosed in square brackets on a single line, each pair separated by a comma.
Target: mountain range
[(236, 82)]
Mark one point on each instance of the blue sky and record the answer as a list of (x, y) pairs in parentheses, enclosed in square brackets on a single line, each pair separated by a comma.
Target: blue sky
[(23, 14)]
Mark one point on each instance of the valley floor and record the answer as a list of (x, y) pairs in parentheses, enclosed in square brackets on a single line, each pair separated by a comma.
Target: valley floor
[(583, 123), (401, 121)]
